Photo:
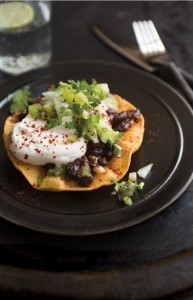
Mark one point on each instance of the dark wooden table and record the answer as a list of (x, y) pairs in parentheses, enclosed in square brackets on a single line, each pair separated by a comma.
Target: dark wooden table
[(148, 261)]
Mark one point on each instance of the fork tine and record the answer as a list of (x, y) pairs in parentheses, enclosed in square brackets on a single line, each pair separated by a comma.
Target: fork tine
[(139, 38), (143, 33), (148, 38), (144, 38), (156, 36)]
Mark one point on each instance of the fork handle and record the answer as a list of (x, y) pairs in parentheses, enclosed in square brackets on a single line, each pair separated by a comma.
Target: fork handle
[(187, 76), (182, 83)]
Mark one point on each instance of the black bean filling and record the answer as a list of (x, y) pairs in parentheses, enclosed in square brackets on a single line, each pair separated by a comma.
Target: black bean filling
[(80, 170), (98, 154), (123, 120)]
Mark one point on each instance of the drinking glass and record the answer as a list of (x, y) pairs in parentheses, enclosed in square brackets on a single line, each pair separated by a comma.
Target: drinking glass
[(25, 35)]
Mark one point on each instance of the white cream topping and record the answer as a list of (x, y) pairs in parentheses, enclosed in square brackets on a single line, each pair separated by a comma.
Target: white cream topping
[(31, 143)]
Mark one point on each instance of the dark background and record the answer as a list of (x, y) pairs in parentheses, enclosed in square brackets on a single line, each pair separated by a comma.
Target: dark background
[(164, 235)]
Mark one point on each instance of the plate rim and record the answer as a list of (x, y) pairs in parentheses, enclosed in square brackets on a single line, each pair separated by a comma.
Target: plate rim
[(116, 65)]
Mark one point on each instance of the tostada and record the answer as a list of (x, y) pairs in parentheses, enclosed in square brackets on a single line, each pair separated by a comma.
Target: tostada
[(75, 137)]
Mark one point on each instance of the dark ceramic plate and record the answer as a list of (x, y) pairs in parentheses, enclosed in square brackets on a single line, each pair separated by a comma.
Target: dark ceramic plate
[(167, 144)]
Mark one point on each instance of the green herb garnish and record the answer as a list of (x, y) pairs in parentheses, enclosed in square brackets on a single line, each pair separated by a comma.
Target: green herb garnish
[(126, 189), (56, 170), (20, 100), (83, 93), (75, 105), (52, 123), (40, 180)]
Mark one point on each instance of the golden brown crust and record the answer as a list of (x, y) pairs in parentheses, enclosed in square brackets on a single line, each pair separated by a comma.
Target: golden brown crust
[(117, 167)]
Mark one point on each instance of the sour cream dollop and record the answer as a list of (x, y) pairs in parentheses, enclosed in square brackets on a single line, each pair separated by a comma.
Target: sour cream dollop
[(32, 143)]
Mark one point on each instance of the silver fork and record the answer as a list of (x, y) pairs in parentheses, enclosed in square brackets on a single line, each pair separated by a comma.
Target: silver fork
[(154, 51)]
